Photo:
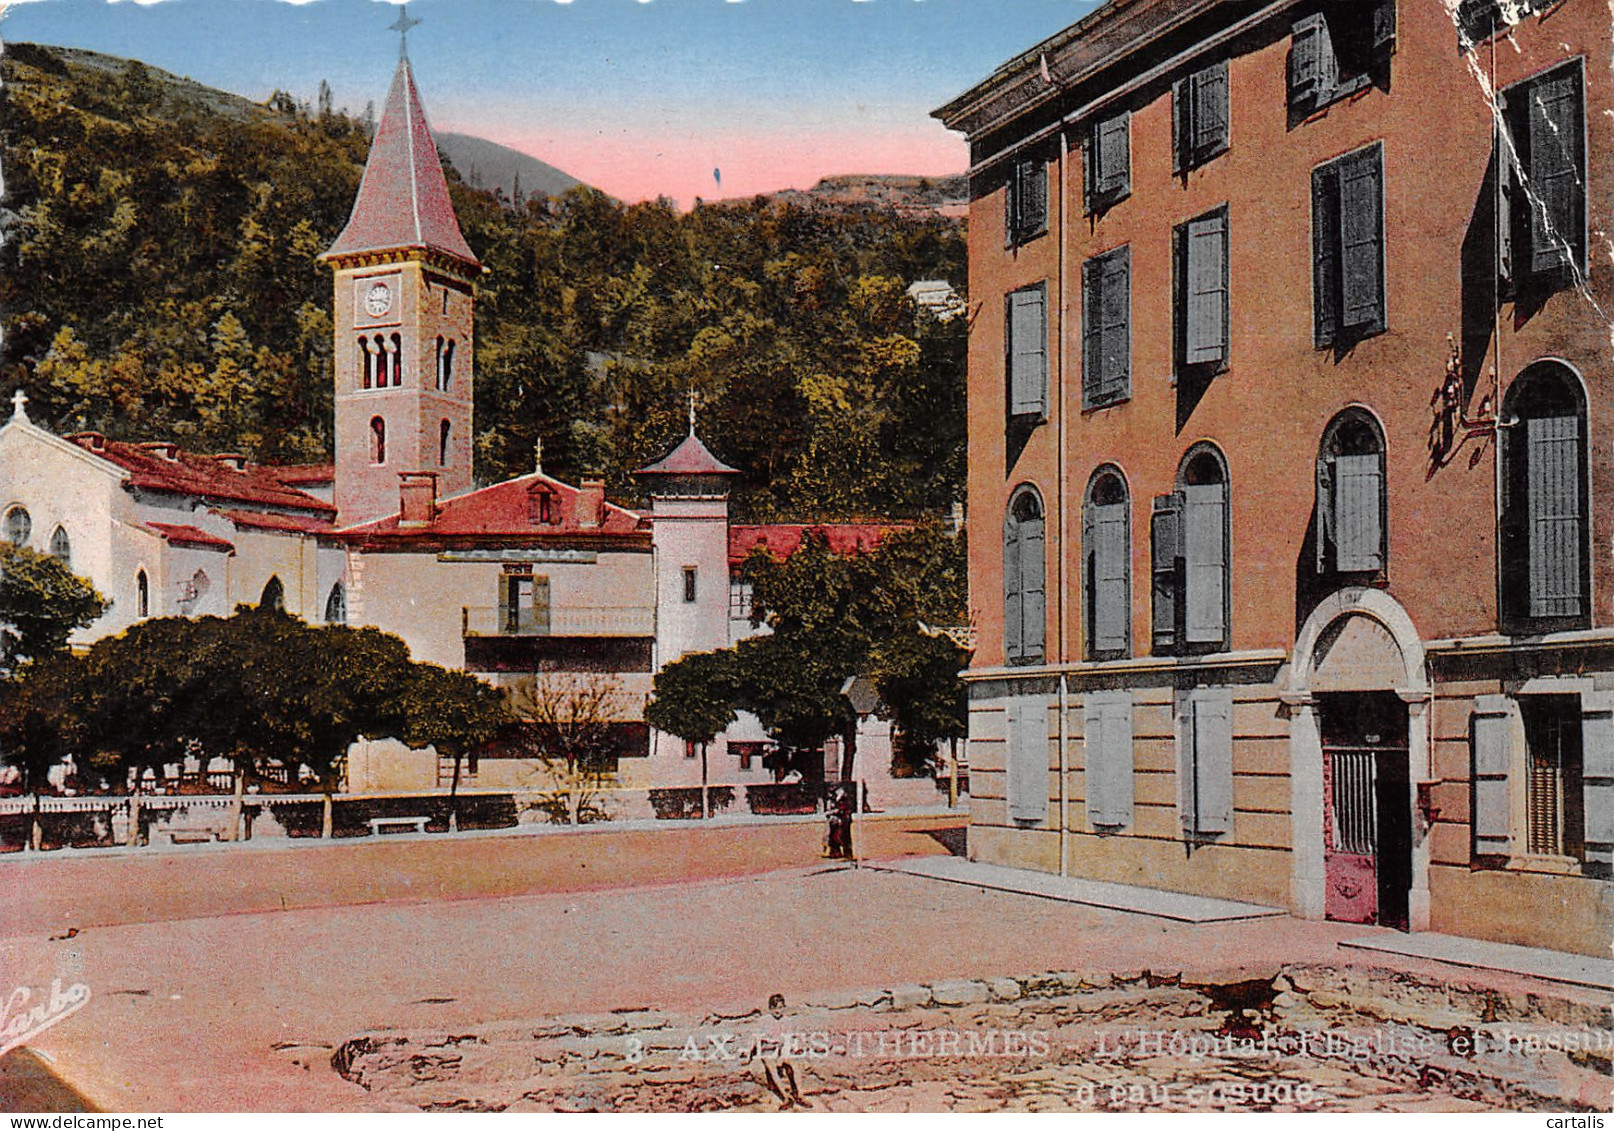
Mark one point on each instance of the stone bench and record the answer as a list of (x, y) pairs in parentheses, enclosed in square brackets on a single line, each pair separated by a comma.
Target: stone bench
[(192, 836), (379, 823)]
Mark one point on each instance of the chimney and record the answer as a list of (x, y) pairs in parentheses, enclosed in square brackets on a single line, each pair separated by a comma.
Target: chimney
[(89, 441), (233, 460), (163, 449), (417, 498), (591, 503)]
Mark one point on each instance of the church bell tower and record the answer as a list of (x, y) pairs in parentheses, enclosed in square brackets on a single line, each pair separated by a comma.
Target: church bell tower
[(405, 293)]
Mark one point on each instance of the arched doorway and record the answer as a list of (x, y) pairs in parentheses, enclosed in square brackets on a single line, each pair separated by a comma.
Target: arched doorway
[(1359, 745)]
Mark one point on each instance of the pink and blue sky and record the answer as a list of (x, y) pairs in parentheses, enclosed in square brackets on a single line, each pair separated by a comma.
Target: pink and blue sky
[(638, 97)]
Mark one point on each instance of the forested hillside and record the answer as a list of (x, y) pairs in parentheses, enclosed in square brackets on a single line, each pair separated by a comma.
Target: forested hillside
[(158, 279)]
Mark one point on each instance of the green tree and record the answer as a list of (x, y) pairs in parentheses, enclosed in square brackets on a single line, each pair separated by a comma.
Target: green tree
[(42, 603), (694, 699)]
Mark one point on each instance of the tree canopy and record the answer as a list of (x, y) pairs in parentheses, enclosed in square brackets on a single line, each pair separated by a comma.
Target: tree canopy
[(42, 603)]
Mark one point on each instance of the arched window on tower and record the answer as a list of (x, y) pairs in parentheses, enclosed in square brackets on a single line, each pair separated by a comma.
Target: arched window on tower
[(61, 547), (1024, 594), (378, 440), (442, 443), (336, 605), (274, 596), (366, 363), (1107, 565), (440, 380), (397, 360), (142, 595), (448, 364), (1543, 519)]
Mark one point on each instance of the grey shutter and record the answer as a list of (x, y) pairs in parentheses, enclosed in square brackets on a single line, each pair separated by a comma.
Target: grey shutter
[(1361, 219), (1206, 292), (1028, 352), (1493, 740), (1034, 614), (1107, 726), (1325, 513), (1027, 761), (1011, 191), (1384, 25), (1110, 556), (1312, 67), (1092, 333), (1034, 210), (1113, 144), (1013, 592), (1358, 531), (1325, 252), (1205, 545), (1164, 523), (1555, 182), (1182, 127), (1597, 775), (1115, 314), (1552, 464), (1209, 786), (1210, 110)]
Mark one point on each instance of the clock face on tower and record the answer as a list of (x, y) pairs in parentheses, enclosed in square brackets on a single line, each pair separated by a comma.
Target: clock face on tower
[(378, 300)]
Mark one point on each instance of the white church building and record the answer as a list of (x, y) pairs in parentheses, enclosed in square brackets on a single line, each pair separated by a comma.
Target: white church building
[(517, 579)]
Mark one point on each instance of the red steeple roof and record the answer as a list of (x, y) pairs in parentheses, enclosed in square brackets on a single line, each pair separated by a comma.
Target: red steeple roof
[(403, 201), (689, 458)]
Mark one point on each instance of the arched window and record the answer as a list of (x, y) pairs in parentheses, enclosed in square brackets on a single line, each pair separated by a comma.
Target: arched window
[(274, 596), (1024, 595), (336, 605), (1351, 535), (397, 360), (61, 547), (448, 364), (1107, 565), (440, 381), (18, 526), (378, 440), (366, 363), (1192, 564), (442, 443), (1543, 505), (142, 595)]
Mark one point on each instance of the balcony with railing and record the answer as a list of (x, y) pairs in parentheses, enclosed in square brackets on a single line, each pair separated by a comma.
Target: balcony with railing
[(510, 620), (523, 638)]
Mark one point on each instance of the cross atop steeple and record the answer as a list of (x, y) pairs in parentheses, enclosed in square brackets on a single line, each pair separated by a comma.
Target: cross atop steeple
[(402, 26), (18, 399)]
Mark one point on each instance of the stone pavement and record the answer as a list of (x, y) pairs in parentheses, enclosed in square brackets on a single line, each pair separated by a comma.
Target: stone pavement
[(1548, 965)]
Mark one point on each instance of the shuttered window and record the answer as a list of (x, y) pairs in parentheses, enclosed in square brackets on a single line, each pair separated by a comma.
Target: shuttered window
[(1338, 51), (1205, 762), (1026, 200), (1107, 749), (1202, 290), (1313, 69), (1350, 496), (1199, 119), (1107, 328), (1492, 729), (1024, 596), (1597, 781), (1026, 758), (1547, 121), (1348, 247), (1164, 525), (1205, 562), (1107, 558), (1026, 347), (1109, 161), (1544, 514)]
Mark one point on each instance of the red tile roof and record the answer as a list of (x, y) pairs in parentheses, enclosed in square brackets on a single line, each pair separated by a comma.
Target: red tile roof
[(783, 538), (180, 534), (165, 467), (304, 474), (262, 520), (403, 200), (504, 513), (689, 458)]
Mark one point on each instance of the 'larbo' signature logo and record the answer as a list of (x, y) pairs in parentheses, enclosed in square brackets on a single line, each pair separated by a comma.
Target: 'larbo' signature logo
[(19, 1021)]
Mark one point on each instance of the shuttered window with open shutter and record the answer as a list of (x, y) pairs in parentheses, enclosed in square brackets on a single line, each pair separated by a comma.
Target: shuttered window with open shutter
[(1348, 294), (1552, 463), (1203, 295), (1597, 784), (1106, 530), (1026, 200), (1325, 253), (1313, 69), (1206, 761), (1493, 753), (1026, 335), (1033, 589), (1555, 174), (1024, 599), (1013, 598), (1164, 524), (1106, 328), (1107, 742), (1205, 562)]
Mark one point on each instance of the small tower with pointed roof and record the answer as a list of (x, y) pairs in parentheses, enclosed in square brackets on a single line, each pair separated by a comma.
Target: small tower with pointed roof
[(689, 524), (405, 294)]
